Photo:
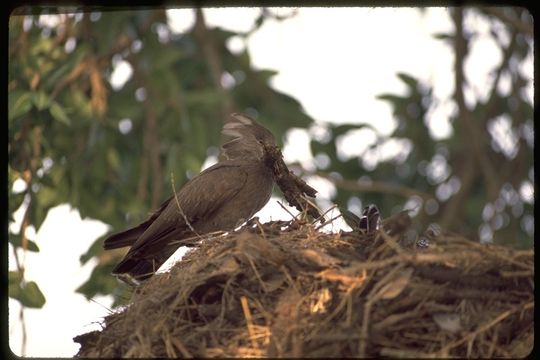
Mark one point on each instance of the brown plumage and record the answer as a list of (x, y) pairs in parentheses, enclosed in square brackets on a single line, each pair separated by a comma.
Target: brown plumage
[(219, 198)]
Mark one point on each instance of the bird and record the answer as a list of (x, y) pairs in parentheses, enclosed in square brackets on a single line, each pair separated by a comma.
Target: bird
[(221, 197)]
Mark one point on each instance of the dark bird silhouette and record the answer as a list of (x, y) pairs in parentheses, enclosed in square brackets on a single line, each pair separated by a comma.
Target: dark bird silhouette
[(219, 198)]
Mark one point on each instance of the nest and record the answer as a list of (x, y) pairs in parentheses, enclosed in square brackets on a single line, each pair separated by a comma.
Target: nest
[(286, 289)]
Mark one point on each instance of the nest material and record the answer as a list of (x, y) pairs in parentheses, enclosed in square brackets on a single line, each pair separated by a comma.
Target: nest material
[(287, 289)]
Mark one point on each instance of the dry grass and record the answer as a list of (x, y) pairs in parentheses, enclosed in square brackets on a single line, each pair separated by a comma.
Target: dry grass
[(284, 289)]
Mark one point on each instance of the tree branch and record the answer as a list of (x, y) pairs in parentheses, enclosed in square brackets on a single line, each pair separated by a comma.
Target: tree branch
[(507, 54), (515, 23)]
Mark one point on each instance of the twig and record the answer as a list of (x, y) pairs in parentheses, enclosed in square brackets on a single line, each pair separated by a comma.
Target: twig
[(287, 210), (249, 321), (180, 208), (328, 222), (364, 329), (180, 346), (324, 213)]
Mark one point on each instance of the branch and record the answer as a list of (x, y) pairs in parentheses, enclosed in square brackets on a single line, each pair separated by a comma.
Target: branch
[(515, 23), (507, 54)]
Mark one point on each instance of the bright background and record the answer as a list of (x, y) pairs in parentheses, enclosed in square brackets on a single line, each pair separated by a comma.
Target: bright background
[(375, 44)]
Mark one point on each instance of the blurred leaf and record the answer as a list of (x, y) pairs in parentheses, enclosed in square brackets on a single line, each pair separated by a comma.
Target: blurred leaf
[(95, 249), (59, 114), (101, 282), (41, 100), (267, 74), (38, 212), (15, 201), (20, 102), (48, 197), (28, 294), (392, 98), (259, 21), (443, 36), (16, 241), (14, 278), (409, 80)]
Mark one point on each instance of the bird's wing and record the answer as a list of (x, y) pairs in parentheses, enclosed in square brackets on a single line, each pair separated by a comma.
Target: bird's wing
[(198, 199)]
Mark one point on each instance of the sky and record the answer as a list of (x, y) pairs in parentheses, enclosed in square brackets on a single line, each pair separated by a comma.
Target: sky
[(374, 44)]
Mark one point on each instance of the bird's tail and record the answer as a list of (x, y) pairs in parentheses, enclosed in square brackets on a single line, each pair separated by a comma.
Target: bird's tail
[(125, 238), (135, 268), (128, 237)]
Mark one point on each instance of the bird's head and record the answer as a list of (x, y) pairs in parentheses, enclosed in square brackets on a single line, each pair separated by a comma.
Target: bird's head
[(248, 138)]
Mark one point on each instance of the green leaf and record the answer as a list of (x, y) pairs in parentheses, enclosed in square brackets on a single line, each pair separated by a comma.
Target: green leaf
[(94, 249), (259, 21), (57, 74), (443, 36), (101, 282), (15, 201), (15, 240), (38, 212), (41, 100), (31, 296), (58, 113), (391, 98), (47, 196), (20, 102), (267, 74), (14, 279), (409, 80)]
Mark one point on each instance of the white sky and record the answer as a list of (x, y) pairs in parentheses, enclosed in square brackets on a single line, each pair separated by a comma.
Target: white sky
[(334, 61)]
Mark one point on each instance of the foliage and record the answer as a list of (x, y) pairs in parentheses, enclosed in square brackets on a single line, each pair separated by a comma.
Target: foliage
[(467, 182), (74, 138)]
